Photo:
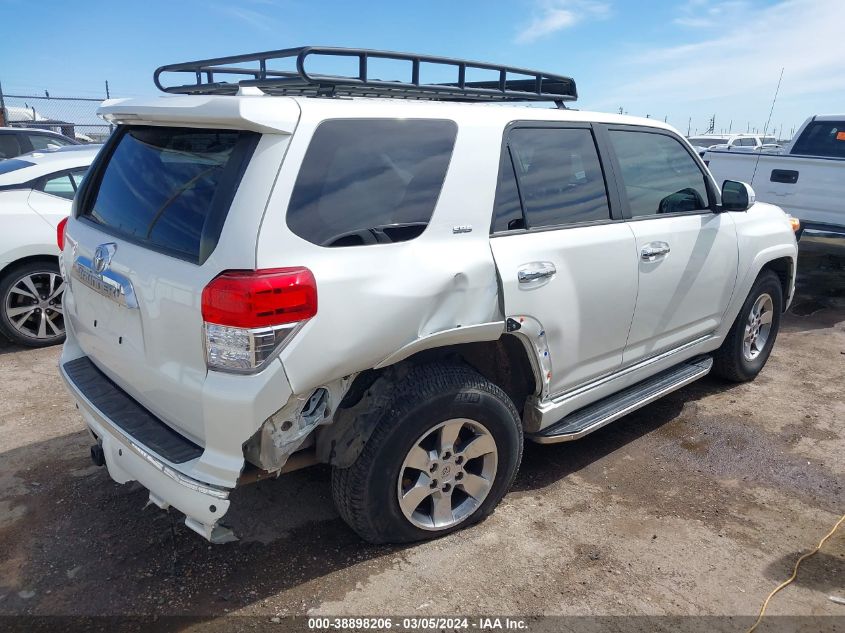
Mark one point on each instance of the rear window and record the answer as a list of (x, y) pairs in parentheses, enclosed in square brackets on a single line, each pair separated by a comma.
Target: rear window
[(13, 164), (169, 188), (370, 181), (822, 138)]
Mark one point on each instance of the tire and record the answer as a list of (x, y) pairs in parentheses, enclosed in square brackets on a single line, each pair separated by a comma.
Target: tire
[(422, 411), (44, 324), (734, 360)]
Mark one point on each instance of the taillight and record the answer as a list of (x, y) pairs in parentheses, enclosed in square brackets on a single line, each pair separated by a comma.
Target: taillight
[(248, 314), (60, 233)]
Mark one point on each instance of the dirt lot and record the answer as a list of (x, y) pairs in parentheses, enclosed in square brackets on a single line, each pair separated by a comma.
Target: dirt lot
[(696, 505)]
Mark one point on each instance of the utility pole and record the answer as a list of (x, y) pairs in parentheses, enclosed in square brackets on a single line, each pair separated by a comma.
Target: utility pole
[(689, 125), (4, 119), (108, 96)]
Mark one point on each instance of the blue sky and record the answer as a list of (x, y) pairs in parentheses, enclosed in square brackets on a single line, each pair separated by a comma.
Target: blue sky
[(681, 60)]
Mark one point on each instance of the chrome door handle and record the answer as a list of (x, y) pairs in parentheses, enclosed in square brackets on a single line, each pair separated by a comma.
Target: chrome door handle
[(535, 271), (654, 250)]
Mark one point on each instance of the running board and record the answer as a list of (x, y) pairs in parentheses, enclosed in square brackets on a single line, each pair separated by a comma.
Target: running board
[(594, 416)]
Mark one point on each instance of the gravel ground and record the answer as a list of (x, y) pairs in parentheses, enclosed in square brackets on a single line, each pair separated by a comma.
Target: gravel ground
[(696, 505)]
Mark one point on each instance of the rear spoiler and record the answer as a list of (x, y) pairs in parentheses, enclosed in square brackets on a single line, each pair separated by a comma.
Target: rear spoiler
[(253, 111)]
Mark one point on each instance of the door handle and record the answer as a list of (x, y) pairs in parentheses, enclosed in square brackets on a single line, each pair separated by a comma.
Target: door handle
[(788, 176), (654, 250), (535, 271)]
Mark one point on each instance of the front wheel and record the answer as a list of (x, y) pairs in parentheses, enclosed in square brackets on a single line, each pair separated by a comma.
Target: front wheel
[(752, 336), (444, 452)]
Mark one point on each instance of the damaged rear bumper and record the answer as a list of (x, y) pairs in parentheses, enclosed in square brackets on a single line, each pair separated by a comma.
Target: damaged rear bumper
[(129, 459)]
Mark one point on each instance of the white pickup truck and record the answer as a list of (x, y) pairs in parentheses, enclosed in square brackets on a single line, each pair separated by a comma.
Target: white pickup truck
[(807, 179)]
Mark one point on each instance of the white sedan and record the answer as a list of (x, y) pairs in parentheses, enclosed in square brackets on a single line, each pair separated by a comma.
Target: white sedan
[(36, 193)]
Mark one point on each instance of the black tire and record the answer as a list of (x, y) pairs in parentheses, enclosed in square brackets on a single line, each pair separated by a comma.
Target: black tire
[(42, 269), (366, 493), (730, 361)]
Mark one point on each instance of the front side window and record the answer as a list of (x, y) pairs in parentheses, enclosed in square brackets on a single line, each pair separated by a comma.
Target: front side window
[(559, 176), (660, 176), (370, 181), (45, 141), (822, 138)]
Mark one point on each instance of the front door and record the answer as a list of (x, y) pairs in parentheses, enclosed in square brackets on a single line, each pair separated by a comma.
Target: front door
[(687, 253), (568, 267)]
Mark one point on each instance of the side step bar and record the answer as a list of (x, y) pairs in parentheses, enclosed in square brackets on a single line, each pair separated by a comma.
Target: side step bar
[(594, 416)]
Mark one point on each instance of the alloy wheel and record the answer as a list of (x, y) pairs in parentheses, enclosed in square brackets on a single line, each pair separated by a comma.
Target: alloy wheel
[(33, 305), (447, 474), (758, 327)]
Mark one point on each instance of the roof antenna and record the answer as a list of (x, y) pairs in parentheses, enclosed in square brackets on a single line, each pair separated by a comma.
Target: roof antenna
[(766, 129)]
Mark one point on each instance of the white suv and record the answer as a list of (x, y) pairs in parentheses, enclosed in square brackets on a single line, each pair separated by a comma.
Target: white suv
[(403, 288)]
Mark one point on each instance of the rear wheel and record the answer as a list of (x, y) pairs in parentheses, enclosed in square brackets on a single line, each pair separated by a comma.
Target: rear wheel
[(752, 336), (443, 453), (32, 312)]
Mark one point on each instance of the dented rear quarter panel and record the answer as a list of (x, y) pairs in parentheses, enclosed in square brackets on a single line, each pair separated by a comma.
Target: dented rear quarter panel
[(374, 300)]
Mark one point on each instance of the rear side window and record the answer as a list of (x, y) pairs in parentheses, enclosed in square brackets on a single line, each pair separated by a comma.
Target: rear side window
[(370, 181), (822, 138), (559, 176), (659, 173), (61, 186), (169, 188)]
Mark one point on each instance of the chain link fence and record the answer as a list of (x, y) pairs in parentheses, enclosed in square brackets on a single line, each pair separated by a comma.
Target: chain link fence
[(74, 117)]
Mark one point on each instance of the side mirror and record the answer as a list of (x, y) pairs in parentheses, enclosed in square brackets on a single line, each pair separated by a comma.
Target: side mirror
[(737, 196)]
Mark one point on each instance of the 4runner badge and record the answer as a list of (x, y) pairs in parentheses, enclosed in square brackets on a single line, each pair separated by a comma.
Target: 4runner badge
[(96, 274)]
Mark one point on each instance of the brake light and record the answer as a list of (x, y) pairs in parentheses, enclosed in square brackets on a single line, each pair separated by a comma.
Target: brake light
[(248, 315), (60, 233)]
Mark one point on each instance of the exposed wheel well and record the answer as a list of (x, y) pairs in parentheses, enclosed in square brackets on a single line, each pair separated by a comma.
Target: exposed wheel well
[(784, 269), (504, 362), (26, 260)]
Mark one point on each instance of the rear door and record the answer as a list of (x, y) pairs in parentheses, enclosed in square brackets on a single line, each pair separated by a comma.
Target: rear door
[(686, 253), (566, 259)]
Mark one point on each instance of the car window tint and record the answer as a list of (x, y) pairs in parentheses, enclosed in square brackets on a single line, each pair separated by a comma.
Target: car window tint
[(78, 175), (13, 164), (45, 141), (822, 138), (170, 188), (507, 210), (559, 175), (9, 146), (369, 181), (61, 186), (660, 176)]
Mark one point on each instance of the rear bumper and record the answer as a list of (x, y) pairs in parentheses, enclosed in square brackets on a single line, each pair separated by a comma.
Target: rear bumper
[(128, 459)]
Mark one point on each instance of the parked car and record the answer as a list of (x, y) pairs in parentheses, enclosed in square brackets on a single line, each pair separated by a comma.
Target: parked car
[(808, 178), (15, 141), (403, 289), (734, 142), (36, 191)]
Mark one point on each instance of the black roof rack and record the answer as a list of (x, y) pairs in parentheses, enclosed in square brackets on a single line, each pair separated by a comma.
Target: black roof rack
[(513, 84)]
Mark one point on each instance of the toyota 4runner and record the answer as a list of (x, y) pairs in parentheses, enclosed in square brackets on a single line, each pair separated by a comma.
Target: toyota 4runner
[(390, 277)]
